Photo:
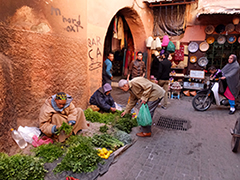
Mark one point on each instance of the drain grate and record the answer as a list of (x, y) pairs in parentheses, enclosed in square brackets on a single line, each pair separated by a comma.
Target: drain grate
[(177, 124)]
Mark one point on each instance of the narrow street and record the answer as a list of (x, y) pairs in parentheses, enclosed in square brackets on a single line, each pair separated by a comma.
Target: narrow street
[(203, 152)]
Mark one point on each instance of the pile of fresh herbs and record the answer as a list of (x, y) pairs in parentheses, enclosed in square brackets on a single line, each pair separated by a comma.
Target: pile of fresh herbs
[(125, 123), (21, 167), (81, 156), (103, 129), (66, 128), (106, 141), (49, 152)]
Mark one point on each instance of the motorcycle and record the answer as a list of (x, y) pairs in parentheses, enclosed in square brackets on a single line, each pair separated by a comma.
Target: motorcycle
[(235, 136), (204, 98)]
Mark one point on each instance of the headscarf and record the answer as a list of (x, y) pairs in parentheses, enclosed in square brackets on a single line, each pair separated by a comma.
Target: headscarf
[(122, 82), (107, 87), (54, 105), (231, 72), (61, 96)]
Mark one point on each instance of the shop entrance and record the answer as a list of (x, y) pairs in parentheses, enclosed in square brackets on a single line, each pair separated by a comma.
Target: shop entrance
[(125, 37)]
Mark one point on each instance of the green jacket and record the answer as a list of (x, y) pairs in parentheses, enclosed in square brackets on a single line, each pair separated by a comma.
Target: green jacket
[(142, 88)]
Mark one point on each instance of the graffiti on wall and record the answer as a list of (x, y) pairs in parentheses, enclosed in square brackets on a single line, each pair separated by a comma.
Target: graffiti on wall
[(73, 24), (94, 53)]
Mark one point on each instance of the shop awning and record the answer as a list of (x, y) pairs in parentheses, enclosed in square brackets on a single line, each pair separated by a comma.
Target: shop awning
[(218, 7), (157, 3)]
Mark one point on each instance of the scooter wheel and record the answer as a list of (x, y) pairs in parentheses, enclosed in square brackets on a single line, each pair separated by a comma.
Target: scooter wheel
[(201, 102), (235, 144)]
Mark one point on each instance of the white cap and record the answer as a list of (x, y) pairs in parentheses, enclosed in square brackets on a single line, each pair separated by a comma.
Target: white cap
[(122, 82)]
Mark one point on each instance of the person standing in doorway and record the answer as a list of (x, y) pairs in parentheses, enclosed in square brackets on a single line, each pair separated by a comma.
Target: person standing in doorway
[(137, 67), (163, 76), (107, 69)]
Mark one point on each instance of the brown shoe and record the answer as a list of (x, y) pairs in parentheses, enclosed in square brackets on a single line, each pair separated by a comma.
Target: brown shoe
[(142, 134)]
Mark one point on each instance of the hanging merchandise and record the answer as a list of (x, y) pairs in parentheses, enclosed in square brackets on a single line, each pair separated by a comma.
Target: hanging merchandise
[(177, 45), (210, 40), (149, 41), (153, 46), (179, 54), (221, 39), (158, 43), (165, 41), (120, 32), (209, 29), (229, 28), (235, 20), (203, 61), (220, 28), (171, 47), (193, 47), (231, 39), (115, 27), (204, 46)]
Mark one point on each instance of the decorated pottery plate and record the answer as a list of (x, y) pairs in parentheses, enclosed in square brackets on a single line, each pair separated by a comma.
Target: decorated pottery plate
[(193, 47), (231, 39), (210, 40), (220, 28), (203, 61), (230, 27), (209, 29), (221, 39), (239, 39), (193, 59), (238, 28), (204, 46)]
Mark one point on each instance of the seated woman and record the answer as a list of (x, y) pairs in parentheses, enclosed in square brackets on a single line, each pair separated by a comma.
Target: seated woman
[(103, 99)]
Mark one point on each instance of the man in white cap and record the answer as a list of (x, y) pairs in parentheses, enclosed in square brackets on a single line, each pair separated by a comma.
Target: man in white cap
[(148, 92)]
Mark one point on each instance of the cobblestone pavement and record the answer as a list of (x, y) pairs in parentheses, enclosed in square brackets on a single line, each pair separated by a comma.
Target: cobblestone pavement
[(203, 152)]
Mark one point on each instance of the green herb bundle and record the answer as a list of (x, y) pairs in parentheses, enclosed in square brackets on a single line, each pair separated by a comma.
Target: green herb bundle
[(81, 156), (126, 123), (66, 128), (107, 141), (49, 152), (21, 167), (103, 129)]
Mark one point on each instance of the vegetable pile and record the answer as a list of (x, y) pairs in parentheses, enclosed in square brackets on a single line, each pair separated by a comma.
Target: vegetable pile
[(49, 152), (21, 167), (125, 123), (66, 128), (106, 141), (81, 156)]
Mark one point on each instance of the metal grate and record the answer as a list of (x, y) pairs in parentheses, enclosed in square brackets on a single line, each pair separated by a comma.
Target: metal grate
[(177, 124)]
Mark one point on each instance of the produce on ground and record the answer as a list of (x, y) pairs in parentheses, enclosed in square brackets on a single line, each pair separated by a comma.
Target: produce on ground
[(103, 129), (49, 152), (21, 167), (81, 156), (125, 123), (66, 128), (104, 153), (106, 141)]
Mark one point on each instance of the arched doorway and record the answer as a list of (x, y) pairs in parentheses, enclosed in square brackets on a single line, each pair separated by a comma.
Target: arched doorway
[(125, 40)]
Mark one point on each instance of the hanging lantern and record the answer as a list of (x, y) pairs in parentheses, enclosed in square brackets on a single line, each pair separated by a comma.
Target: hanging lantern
[(153, 46), (235, 20), (158, 43), (177, 45), (149, 41)]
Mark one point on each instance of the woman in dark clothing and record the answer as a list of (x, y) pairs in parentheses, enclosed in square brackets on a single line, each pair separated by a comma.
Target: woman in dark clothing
[(103, 99), (231, 74)]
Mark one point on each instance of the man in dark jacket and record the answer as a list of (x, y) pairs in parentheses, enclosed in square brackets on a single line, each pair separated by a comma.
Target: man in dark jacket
[(163, 76), (103, 99)]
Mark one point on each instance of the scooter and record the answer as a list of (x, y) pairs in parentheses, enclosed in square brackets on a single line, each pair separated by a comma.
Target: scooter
[(204, 98), (235, 136)]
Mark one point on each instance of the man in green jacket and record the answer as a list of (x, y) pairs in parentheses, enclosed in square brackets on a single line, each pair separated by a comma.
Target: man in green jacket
[(142, 89)]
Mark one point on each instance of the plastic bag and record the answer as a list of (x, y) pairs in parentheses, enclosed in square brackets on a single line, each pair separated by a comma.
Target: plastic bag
[(144, 116), (28, 132), (38, 142)]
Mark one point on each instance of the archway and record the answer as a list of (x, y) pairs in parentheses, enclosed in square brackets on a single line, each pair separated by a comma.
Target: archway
[(125, 49)]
